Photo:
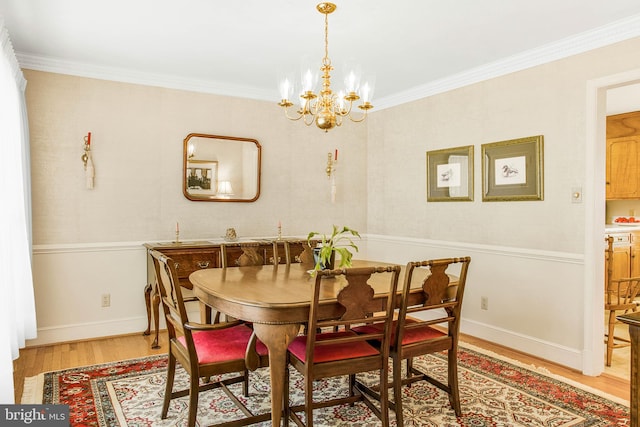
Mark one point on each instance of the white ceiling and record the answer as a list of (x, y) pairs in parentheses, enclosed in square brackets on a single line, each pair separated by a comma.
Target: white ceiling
[(241, 47)]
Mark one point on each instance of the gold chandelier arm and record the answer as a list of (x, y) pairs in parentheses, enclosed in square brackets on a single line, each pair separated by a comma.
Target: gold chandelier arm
[(286, 114), (344, 113), (364, 116), (310, 122)]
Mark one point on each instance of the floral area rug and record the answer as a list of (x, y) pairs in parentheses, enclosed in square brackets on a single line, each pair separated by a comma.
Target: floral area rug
[(494, 392)]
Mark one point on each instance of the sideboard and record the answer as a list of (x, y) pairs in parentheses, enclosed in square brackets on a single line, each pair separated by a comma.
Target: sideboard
[(189, 256)]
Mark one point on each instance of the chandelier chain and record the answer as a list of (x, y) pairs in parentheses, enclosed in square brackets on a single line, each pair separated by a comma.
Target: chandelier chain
[(326, 60)]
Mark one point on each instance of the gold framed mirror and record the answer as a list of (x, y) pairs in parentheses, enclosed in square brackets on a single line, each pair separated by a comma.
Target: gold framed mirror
[(221, 168)]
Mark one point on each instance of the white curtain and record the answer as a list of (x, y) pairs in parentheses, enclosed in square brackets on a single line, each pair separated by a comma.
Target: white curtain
[(17, 305)]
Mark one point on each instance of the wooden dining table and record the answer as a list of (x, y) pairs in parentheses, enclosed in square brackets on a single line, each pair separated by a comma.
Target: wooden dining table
[(276, 299)]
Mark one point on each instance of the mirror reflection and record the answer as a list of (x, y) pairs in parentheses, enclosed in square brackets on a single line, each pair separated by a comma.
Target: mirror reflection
[(221, 168)]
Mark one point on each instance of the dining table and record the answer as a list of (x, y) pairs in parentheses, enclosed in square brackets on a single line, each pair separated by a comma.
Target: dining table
[(276, 300)]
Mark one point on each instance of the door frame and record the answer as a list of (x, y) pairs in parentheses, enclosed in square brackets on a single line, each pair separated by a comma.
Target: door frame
[(594, 211)]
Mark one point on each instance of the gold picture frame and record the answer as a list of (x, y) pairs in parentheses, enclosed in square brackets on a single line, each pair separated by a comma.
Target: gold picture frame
[(450, 174), (513, 170)]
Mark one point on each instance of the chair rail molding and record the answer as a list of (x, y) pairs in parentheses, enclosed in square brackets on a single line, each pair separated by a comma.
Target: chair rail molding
[(71, 278)]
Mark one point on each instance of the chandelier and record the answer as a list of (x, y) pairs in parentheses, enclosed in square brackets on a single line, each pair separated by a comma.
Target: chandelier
[(326, 108)]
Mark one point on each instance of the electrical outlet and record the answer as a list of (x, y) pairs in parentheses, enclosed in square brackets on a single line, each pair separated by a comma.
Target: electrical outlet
[(484, 303), (106, 300)]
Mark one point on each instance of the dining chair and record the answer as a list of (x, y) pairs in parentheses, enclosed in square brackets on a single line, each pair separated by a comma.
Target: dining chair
[(620, 297), (205, 350), (251, 255), (318, 355), (428, 322), (299, 251)]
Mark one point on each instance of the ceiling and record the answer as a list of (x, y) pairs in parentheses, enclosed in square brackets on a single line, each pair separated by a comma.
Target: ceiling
[(242, 47)]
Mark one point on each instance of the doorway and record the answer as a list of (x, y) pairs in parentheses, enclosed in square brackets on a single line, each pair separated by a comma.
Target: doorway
[(595, 154)]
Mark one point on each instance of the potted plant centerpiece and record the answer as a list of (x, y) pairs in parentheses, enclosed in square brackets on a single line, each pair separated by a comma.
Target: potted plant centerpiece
[(340, 241)]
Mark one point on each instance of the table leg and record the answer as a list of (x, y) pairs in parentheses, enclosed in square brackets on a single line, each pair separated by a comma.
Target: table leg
[(155, 302), (634, 334), (277, 339), (147, 300), (152, 301)]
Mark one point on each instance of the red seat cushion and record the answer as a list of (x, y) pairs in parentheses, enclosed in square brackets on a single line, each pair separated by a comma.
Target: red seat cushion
[(222, 345), (331, 352), (420, 333)]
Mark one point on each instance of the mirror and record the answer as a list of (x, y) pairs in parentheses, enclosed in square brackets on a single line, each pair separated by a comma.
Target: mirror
[(221, 168)]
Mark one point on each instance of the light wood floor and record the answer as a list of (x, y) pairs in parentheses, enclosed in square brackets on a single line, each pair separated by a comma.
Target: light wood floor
[(35, 360)]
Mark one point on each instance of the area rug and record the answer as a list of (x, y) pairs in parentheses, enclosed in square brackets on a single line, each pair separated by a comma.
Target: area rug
[(494, 392)]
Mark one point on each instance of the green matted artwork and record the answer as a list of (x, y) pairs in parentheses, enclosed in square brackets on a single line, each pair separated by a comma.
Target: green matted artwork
[(450, 174)]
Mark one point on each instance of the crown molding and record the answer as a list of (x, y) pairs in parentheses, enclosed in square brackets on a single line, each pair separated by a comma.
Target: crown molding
[(612, 33), (618, 31), (53, 65)]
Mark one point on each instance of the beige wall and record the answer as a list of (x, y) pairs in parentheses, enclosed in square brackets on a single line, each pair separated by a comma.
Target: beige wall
[(137, 133), (547, 100)]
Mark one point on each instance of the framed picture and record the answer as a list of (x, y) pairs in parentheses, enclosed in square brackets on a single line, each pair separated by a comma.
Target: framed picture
[(450, 175), (513, 170), (202, 177)]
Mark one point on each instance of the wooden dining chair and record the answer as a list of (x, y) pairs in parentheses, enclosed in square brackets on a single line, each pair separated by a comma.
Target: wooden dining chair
[(299, 251), (428, 322), (250, 254), (619, 297), (319, 355), (204, 350)]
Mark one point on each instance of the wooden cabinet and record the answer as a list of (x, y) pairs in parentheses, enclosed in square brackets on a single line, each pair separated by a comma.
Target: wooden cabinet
[(626, 255), (623, 168), (623, 156)]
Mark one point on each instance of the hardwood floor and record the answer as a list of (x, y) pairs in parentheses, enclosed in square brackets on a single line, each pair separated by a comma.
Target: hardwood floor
[(620, 361), (35, 360)]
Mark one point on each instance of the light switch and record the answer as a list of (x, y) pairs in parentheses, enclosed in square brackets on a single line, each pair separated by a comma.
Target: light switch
[(576, 194)]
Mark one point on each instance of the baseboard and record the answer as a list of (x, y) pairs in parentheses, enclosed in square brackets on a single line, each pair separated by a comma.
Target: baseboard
[(561, 355), (85, 331)]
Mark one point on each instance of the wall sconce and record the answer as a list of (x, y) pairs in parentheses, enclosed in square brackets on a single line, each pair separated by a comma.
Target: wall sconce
[(331, 163), (331, 169), (89, 170), (225, 189), (191, 150)]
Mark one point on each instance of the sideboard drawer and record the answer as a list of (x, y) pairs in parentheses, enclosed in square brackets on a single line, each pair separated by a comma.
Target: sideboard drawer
[(188, 263)]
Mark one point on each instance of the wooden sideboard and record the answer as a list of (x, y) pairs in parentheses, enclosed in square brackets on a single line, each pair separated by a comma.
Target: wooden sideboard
[(190, 256)]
